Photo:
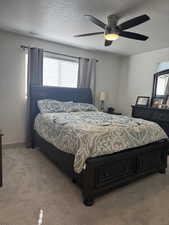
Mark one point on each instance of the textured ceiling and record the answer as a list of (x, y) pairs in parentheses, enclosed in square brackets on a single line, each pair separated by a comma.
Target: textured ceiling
[(59, 20)]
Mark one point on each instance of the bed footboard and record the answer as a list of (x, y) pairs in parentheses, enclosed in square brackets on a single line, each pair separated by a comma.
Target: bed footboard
[(107, 172), (103, 173)]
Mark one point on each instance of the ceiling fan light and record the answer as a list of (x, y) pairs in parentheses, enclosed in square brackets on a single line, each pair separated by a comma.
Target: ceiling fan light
[(111, 37)]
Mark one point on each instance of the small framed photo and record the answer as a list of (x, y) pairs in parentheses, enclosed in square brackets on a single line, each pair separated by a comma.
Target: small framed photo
[(157, 102), (142, 101)]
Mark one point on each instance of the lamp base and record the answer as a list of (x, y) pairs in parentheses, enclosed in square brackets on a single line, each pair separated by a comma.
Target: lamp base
[(102, 106)]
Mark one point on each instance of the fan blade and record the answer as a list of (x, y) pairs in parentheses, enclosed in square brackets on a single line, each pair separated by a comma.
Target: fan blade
[(89, 34), (107, 43), (133, 36), (133, 22), (96, 21)]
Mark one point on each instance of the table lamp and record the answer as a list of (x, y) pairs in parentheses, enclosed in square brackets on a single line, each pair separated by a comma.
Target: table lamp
[(102, 99)]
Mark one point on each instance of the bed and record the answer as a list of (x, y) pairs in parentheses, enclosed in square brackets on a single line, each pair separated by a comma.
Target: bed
[(97, 174)]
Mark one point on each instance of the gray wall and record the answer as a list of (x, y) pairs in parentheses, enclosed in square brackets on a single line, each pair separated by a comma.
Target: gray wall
[(12, 79), (136, 77)]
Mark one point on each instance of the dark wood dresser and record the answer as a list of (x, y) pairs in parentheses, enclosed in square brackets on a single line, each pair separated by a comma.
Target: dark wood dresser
[(160, 116), (1, 159)]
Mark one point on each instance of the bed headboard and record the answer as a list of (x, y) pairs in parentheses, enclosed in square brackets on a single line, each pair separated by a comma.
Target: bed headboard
[(83, 95)]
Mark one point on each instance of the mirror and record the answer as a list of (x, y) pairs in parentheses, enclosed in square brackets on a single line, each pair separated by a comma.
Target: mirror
[(161, 84)]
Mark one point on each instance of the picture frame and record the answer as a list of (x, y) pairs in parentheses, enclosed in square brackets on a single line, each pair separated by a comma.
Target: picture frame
[(157, 102), (142, 101)]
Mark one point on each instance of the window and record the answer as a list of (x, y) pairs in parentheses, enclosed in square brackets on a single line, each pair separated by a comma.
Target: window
[(58, 72)]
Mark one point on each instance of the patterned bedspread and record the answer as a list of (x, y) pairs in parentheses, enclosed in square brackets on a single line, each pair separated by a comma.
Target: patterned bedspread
[(90, 134)]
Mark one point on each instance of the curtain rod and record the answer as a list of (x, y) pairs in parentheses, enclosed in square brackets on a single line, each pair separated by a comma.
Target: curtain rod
[(55, 53)]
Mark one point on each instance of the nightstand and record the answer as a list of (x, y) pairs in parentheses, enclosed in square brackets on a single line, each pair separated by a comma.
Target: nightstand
[(1, 135)]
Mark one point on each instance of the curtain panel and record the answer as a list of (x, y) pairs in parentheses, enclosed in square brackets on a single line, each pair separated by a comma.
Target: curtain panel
[(87, 75), (167, 88), (34, 77)]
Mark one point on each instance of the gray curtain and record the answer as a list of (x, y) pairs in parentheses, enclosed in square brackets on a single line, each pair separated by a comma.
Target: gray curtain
[(34, 77), (87, 74), (167, 88)]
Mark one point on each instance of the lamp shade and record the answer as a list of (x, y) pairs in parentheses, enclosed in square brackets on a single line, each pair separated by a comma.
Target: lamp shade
[(102, 96)]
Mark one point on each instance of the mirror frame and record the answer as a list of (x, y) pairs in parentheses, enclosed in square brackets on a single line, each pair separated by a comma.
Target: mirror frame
[(156, 75)]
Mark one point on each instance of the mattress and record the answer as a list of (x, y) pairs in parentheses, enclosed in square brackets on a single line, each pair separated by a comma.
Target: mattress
[(91, 134)]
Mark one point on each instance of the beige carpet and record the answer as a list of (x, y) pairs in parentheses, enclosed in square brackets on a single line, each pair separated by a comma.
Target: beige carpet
[(31, 183)]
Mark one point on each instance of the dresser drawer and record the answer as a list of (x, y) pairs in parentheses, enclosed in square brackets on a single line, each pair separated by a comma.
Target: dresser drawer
[(160, 116), (142, 113)]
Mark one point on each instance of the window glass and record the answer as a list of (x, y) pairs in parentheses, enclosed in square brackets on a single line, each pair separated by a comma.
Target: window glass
[(60, 73)]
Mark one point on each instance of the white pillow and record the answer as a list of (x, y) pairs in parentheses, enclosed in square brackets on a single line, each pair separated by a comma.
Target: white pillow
[(54, 106), (51, 106)]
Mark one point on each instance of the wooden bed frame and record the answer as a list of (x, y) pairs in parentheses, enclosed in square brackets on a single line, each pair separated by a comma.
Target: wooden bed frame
[(102, 173)]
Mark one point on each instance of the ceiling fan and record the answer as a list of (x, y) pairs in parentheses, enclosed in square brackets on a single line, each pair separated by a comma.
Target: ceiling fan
[(112, 31)]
